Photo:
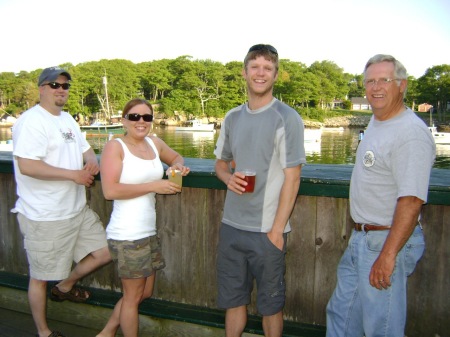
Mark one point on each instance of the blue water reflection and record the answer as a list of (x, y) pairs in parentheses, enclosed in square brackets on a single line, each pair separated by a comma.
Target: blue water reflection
[(334, 147)]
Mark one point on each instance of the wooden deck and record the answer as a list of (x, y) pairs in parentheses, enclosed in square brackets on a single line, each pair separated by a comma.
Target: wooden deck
[(157, 317), (18, 324), (184, 302)]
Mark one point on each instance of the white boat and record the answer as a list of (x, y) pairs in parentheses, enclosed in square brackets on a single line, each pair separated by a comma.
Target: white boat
[(313, 135), (104, 120), (439, 137), (202, 136), (196, 126), (6, 146), (101, 126)]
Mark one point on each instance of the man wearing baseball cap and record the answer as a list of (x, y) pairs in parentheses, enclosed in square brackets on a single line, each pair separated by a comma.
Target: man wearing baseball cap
[(53, 164), (51, 74)]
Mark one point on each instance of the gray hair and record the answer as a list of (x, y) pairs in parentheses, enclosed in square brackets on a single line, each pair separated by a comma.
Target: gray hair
[(399, 69)]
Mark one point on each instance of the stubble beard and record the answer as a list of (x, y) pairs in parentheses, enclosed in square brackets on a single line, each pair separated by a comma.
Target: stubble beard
[(60, 102)]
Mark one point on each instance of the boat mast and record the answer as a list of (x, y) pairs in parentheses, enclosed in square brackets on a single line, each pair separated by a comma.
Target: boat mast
[(105, 84)]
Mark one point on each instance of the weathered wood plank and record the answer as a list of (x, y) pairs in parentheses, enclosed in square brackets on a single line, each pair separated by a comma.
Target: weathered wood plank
[(189, 224), (331, 241), (429, 285), (12, 255), (300, 261)]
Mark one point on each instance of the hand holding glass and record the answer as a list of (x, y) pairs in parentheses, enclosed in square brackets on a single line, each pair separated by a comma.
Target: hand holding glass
[(250, 178), (176, 177)]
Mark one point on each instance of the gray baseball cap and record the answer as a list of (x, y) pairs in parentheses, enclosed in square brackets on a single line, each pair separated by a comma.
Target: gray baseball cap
[(51, 74)]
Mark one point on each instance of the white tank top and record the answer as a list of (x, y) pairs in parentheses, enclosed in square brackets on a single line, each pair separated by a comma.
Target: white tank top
[(135, 219)]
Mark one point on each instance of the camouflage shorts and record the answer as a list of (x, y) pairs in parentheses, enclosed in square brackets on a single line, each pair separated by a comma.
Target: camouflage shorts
[(136, 259)]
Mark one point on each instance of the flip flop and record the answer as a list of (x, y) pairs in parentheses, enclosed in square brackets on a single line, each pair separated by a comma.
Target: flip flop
[(54, 334), (75, 294)]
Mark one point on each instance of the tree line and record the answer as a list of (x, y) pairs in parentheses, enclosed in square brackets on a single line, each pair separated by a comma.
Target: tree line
[(199, 88)]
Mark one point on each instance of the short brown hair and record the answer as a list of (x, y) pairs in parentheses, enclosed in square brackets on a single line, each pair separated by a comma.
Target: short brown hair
[(265, 50)]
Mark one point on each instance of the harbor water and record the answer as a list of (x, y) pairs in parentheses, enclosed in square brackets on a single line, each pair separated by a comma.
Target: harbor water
[(334, 147)]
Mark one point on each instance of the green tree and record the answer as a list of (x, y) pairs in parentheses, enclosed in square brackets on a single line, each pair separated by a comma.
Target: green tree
[(206, 87), (123, 83), (86, 85), (411, 93), (91, 96), (356, 86), (234, 90), (7, 84), (333, 84), (155, 79), (434, 88), (291, 86)]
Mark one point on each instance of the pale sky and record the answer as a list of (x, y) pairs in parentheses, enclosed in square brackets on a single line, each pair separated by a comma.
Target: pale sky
[(38, 34)]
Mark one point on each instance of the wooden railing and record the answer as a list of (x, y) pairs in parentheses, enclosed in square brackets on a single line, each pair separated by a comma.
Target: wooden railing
[(188, 225)]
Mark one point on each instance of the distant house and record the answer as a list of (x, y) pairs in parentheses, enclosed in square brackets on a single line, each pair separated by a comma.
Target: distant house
[(424, 107), (337, 103), (360, 103)]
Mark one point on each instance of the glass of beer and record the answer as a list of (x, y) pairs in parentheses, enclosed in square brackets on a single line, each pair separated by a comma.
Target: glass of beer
[(176, 177), (250, 177)]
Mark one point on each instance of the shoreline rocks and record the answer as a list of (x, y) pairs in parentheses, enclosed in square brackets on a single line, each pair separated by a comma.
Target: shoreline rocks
[(344, 121)]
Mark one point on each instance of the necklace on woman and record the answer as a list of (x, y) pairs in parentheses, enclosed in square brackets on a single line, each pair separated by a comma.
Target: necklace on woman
[(142, 153), (135, 146)]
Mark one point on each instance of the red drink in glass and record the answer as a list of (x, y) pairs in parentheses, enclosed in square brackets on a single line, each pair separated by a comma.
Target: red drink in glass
[(250, 177)]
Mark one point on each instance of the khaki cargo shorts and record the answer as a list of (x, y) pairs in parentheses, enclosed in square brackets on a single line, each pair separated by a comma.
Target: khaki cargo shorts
[(53, 246)]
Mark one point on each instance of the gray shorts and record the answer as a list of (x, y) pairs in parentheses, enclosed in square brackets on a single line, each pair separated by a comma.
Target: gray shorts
[(53, 246), (138, 258), (244, 256)]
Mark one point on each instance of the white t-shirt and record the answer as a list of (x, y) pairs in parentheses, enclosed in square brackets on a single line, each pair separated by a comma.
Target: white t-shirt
[(56, 140), (134, 219)]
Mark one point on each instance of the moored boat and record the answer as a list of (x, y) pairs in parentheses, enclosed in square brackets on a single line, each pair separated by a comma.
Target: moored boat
[(104, 121), (6, 146), (196, 126), (101, 126), (439, 137)]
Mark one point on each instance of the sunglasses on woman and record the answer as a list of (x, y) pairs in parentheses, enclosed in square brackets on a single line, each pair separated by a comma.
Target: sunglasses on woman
[(137, 117)]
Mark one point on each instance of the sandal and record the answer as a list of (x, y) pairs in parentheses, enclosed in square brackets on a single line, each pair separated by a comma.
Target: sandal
[(76, 294), (54, 334)]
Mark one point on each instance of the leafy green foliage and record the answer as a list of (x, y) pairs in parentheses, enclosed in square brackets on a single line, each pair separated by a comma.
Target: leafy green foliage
[(434, 88), (199, 88)]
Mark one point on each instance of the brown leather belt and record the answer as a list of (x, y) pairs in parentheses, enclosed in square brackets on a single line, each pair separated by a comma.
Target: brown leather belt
[(366, 227)]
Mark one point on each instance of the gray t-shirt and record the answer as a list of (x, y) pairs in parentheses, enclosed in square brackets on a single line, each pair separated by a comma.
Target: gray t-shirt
[(393, 160), (267, 140)]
